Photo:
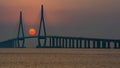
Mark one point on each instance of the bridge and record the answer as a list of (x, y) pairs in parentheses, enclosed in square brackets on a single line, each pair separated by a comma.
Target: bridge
[(58, 41), (66, 42)]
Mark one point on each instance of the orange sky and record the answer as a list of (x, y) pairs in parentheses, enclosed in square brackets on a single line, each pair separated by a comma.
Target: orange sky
[(31, 8), (87, 18)]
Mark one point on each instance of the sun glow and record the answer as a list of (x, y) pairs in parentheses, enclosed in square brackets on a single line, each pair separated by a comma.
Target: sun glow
[(32, 31)]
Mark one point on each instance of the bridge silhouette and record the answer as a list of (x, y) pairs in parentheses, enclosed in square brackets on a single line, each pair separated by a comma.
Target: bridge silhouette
[(57, 41)]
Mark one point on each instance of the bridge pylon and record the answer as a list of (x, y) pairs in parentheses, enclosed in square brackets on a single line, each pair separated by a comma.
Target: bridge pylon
[(20, 36), (42, 25)]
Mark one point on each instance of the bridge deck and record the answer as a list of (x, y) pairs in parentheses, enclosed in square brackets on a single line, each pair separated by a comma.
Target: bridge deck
[(66, 42)]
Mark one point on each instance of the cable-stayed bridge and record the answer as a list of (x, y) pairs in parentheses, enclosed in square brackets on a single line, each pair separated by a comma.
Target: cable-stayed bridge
[(66, 42), (57, 41)]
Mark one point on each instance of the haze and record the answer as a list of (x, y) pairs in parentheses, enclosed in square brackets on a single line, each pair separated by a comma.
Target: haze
[(81, 18)]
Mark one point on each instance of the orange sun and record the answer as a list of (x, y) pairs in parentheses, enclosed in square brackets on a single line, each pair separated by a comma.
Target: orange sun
[(32, 31)]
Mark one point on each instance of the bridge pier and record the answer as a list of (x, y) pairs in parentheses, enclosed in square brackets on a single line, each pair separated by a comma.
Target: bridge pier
[(66, 43), (103, 44), (63, 43), (53, 42), (85, 45), (13, 43), (115, 44), (57, 42), (69, 43), (77, 43), (23, 42), (98, 44), (88, 43), (94, 43), (119, 44), (108, 44), (50, 40), (73, 43), (60, 45), (80, 46)]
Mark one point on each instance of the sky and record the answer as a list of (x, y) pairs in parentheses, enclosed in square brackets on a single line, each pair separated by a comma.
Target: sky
[(76, 18)]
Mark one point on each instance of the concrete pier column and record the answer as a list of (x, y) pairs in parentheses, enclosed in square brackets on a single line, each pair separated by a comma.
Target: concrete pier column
[(119, 44), (73, 43), (98, 43), (66, 43), (94, 44), (103, 44), (60, 43), (115, 44), (56, 42), (63, 43), (88, 43), (69, 43), (77, 43), (85, 42), (13, 43), (80, 43), (108, 44), (53, 42), (50, 42)]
